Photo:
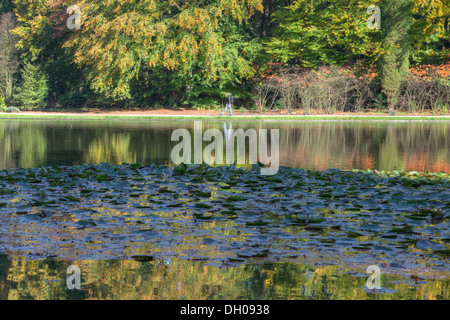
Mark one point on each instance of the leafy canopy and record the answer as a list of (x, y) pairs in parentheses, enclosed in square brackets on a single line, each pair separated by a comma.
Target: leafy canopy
[(317, 32), (193, 39)]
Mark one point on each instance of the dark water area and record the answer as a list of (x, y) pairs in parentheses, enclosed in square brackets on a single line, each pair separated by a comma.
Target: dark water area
[(314, 145)]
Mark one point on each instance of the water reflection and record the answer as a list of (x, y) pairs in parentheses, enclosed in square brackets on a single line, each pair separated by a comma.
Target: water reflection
[(318, 145), (227, 130), (175, 279)]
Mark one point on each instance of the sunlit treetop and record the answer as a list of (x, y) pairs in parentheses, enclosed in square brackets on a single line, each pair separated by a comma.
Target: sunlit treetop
[(431, 30), (313, 33), (119, 39)]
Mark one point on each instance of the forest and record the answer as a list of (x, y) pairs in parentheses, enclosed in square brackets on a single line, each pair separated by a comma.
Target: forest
[(315, 55)]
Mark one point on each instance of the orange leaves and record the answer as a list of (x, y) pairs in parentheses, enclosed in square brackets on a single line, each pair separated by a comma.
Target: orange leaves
[(428, 71)]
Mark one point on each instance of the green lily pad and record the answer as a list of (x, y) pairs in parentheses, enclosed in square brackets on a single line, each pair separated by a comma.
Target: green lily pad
[(84, 223), (258, 223), (353, 233), (72, 198), (236, 198), (203, 217), (203, 206), (316, 219), (181, 168), (204, 194)]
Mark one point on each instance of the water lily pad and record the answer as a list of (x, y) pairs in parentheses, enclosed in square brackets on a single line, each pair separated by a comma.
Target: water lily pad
[(203, 205), (445, 252), (236, 198), (72, 198), (85, 223), (353, 233), (181, 168), (204, 194), (258, 223), (371, 228), (316, 219), (427, 244), (204, 217)]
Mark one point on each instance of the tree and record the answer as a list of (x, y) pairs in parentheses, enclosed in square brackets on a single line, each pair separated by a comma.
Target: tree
[(430, 31), (182, 48), (33, 92), (6, 6), (42, 31), (394, 64), (9, 63), (316, 32), (200, 44)]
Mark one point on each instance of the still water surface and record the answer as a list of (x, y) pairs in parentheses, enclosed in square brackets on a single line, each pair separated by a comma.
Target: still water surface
[(318, 145), (175, 279)]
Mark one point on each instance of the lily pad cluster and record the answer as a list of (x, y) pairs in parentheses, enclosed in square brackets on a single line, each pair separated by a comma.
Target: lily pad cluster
[(226, 215)]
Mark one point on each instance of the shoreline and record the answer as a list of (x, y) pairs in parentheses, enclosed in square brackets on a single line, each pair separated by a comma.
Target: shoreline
[(213, 115)]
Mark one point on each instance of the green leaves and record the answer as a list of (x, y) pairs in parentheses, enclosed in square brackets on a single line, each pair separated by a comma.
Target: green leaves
[(234, 198), (312, 32), (315, 219), (72, 198), (181, 168), (34, 89), (203, 206), (194, 43)]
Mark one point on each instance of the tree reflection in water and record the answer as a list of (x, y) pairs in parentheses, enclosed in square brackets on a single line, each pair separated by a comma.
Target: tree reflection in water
[(175, 279), (315, 145)]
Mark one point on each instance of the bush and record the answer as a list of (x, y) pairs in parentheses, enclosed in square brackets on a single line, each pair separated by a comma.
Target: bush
[(5, 108), (264, 96), (427, 88), (2, 102), (331, 89), (326, 89), (33, 92)]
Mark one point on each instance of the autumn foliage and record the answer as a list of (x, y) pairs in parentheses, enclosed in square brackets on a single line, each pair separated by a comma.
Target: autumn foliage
[(331, 89), (310, 54)]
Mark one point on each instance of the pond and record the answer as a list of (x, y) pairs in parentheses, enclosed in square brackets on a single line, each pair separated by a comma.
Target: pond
[(149, 232)]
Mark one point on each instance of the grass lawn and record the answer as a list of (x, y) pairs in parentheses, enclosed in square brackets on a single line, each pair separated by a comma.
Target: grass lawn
[(213, 115)]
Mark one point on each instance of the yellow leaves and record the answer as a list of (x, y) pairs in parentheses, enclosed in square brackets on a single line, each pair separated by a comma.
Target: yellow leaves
[(119, 37), (154, 60), (196, 20)]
